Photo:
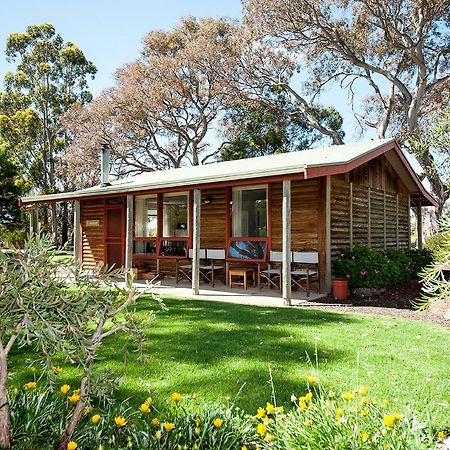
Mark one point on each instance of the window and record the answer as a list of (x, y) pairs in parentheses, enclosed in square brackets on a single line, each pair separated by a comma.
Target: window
[(249, 212), (175, 215), (146, 216), (249, 223)]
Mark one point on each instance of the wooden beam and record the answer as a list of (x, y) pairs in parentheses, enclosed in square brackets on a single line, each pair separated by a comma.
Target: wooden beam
[(77, 250), (129, 234), (369, 224), (397, 224), (419, 226), (409, 220), (196, 243), (328, 234), (384, 220), (351, 215), (286, 219)]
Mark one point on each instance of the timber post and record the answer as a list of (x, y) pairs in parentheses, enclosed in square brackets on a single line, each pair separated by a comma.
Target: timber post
[(77, 235), (129, 236), (419, 226), (196, 243), (286, 218), (328, 235)]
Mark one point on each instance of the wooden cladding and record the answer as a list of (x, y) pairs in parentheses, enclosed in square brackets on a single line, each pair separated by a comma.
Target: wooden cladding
[(213, 218), (362, 215), (93, 240), (305, 203)]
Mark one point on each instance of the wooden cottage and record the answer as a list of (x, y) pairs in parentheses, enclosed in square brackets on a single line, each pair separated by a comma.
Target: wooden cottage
[(320, 200)]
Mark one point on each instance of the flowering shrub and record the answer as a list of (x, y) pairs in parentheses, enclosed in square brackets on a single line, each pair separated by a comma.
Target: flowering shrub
[(368, 268), (317, 420)]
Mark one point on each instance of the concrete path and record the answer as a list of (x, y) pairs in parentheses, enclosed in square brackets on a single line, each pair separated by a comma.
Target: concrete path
[(222, 293)]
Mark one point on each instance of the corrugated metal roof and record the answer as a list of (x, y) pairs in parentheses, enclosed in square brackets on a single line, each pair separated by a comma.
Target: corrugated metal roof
[(244, 169)]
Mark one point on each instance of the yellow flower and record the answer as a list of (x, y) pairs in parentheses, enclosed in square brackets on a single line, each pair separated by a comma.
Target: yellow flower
[(76, 391), (56, 370), (144, 408), (312, 379), (30, 385), (197, 431), (217, 422), (149, 401), (365, 436), (95, 419), (364, 412), (195, 447), (168, 426), (339, 412), (74, 398), (308, 422), (176, 397), (348, 395), (441, 435), (120, 421), (261, 429), (268, 438), (154, 421), (302, 404), (279, 410), (308, 397), (385, 402), (86, 410), (158, 435), (270, 408), (72, 445), (197, 421), (244, 447), (65, 388), (363, 390), (365, 400), (389, 421), (397, 415), (260, 413)]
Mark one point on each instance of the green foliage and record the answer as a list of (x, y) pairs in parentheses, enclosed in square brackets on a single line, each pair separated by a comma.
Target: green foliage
[(435, 244), (319, 419), (369, 268), (435, 279), (252, 130)]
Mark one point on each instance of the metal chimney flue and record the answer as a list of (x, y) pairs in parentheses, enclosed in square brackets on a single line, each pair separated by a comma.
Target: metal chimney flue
[(105, 165)]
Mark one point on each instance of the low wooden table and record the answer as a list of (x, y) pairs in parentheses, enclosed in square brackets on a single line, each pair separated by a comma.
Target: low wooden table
[(241, 273)]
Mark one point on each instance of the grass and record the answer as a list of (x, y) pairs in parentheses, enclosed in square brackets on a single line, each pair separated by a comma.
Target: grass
[(219, 351)]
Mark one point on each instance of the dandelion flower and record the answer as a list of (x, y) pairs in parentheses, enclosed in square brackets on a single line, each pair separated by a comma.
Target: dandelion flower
[(312, 379), (74, 398), (168, 426), (441, 435), (65, 388), (95, 419), (389, 421), (308, 422), (56, 370), (397, 415), (197, 431), (339, 412), (197, 421), (308, 397), (144, 408), (261, 429), (365, 436), (270, 408), (30, 385), (268, 438), (348, 395), (364, 412), (260, 413), (176, 397), (120, 421), (87, 410), (149, 401), (363, 390), (158, 435), (218, 422), (244, 447), (72, 445), (154, 422)]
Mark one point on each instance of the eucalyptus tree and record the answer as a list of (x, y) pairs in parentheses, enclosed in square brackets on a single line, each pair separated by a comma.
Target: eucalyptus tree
[(397, 51), (50, 75)]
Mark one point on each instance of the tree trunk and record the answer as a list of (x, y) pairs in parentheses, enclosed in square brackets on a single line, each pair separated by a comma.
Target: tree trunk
[(5, 420), (64, 224), (76, 415), (54, 223)]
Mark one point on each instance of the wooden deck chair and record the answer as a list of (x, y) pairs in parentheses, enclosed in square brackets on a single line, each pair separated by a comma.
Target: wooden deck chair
[(272, 275), (305, 269), (184, 271), (213, 256)]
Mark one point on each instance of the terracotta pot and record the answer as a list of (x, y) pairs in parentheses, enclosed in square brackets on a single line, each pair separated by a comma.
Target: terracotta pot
[(339, 288)]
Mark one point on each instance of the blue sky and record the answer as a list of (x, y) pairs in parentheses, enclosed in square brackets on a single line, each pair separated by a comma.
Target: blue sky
[(110, 32)]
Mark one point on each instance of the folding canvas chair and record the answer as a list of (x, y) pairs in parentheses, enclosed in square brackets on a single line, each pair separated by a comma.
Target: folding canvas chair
[(213, 256), (271, 277), (184, 271), (305, 269)]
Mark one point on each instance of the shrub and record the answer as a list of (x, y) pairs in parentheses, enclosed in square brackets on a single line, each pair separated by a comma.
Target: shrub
[(435, 243), (319, 419), (369, 268)]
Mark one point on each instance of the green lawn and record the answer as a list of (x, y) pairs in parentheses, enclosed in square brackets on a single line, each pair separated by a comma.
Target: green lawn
[(218, 351)]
